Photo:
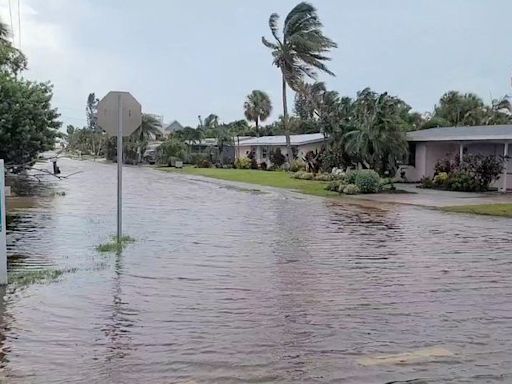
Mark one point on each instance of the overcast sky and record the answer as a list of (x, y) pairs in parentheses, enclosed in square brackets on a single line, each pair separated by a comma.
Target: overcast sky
[(185, 58)]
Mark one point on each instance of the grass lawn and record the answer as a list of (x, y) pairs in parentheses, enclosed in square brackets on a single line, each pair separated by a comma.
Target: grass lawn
[(504, 210), (276, 179)]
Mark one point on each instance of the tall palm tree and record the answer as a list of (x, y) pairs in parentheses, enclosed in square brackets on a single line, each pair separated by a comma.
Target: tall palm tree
[(299, 53), (257, 108)]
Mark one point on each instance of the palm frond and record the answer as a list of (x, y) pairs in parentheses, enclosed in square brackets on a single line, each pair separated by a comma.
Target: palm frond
[(272, 22), (268, 44)]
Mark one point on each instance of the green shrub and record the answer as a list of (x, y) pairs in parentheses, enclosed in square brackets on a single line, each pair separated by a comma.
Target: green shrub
[(351, 189), (426, 182), (475, 173), (243, 163), (169, 150), (441, 178), (463, 182), (387, 184), (323, 177), (277, 158), (332, 186), (297, 165), (336, 186), (263, 166), (301, 175), (341, 186), (367, 180), (203, 163)]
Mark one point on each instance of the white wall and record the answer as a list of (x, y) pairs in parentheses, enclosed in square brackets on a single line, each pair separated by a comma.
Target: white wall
[(242, 151), (427, 154)]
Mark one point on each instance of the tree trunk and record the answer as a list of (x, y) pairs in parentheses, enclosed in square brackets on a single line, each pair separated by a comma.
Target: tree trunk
[(257, 127), (285, 125)]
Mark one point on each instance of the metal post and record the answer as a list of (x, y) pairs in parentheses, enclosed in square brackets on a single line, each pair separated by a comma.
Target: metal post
[(3, 246), (505, 167), (120, 170)]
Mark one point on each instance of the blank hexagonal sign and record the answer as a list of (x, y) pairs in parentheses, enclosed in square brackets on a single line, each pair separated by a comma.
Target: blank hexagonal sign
[(108, 113)]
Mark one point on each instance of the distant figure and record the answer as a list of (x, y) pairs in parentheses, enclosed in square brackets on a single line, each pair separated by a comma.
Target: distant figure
[(56, 169)]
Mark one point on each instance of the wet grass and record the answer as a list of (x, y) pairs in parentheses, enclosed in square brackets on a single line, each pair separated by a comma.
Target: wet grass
[(503, 210), (277, 179), (115, 246), (37, 276)]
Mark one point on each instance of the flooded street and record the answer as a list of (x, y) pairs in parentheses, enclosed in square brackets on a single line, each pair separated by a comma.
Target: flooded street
[(228, 285)]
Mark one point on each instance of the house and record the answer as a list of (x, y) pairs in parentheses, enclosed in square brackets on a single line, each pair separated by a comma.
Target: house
[(428, 146), (168, 129), (261, 146)]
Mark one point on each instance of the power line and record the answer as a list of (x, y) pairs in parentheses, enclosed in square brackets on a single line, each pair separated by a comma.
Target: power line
[(19, 24), (10, 15)]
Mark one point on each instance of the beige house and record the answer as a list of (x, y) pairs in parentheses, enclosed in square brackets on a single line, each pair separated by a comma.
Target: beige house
[(428, 146), (262, 146)]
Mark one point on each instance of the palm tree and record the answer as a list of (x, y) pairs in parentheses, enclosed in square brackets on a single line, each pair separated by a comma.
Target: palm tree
[(211, 121), (299, 52), (308, 100), (377, 135), (257, 108), (149, 128)]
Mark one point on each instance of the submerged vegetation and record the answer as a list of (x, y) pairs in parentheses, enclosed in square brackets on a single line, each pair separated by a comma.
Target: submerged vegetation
[(37, 276), (115, 246)]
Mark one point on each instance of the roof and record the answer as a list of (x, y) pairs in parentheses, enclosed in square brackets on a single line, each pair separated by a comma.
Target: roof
[(173, 127), (209, 141), (476, 133), (281, 140)]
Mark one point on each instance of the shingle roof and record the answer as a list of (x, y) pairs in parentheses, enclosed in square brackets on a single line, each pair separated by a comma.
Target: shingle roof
[(281, 140), (476, 133)]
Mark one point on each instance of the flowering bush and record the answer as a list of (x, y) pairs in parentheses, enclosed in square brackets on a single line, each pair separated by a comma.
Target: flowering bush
[(474, 174)]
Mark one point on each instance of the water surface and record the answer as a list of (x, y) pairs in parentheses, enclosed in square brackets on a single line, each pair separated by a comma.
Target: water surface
[(226, 285)]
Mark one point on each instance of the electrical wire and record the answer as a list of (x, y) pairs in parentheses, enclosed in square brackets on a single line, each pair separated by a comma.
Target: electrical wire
[(10, 15), (19, 24)]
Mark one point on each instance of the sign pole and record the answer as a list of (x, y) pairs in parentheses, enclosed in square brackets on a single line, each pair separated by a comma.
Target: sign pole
[(120, 170), (3, 246)]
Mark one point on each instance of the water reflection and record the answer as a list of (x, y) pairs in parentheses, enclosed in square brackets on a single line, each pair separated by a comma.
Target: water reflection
[(231, 286)]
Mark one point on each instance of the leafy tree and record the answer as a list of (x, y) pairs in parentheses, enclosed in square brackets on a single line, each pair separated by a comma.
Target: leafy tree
[(298, 53), (457, 109), (28, 123), (171, 149), (95, 135), (257, 108), (189, 134), (91, 111), (12, 60)]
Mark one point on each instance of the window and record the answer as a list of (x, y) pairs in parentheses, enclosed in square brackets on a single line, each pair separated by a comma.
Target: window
[(264, 152), (412, 154)]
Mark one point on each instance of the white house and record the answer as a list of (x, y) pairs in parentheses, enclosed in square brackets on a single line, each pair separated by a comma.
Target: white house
[(261, 146), (428, 146)]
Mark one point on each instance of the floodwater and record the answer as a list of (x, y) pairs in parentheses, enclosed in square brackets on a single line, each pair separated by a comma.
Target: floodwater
[(227, 285)]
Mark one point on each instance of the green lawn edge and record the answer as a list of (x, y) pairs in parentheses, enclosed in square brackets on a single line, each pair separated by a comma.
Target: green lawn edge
[(499, 209), (277, 179)]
